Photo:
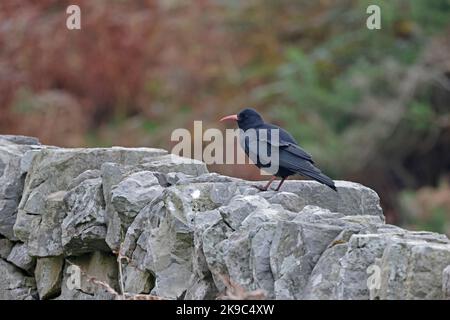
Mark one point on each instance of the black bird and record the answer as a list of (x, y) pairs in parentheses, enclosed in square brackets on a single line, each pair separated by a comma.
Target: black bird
[(292, 158)]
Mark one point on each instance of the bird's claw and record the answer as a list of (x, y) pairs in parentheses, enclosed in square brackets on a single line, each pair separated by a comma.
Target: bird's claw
[(260, 188)]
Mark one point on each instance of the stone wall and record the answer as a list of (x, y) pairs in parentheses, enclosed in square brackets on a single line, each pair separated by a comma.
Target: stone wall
[(184, 233)]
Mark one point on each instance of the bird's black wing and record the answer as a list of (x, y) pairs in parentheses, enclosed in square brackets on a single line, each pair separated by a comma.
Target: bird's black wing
[(285, 142), (296, 150), (293, 157)]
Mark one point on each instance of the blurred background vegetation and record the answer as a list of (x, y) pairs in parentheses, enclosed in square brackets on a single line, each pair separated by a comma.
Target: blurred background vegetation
[(372, 106)]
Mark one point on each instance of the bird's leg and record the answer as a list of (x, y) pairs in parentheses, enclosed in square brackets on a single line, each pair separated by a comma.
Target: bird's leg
[(281, 182), (266, 186)]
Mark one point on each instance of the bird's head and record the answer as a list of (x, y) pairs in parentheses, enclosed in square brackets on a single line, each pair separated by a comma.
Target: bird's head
[(246, 119)]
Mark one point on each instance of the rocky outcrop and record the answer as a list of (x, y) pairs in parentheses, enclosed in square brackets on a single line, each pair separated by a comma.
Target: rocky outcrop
[(87, 223)]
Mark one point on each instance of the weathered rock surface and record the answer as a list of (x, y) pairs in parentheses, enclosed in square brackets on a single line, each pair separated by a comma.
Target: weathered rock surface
[(5, 248), (48, 274), (54, 169), (12, 174), (14, 285), (446, 282), (20, 257), (79, 272), (45, 240), (84, 226), (65, 214)]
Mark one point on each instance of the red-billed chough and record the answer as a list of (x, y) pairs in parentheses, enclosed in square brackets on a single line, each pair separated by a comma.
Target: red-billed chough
[(292, 158)]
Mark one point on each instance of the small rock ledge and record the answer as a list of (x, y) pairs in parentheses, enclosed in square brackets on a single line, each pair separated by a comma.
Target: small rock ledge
[(181, 231)]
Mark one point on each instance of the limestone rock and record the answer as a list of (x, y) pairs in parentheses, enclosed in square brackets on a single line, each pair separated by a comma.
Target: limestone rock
[(54, 169), (12, 151), (133, 193), (14, 285), (160, 241), (413, 270), (20, 257), (48, 274), (446, 282), (84, 227), (79, 272), (45, 240), (173, 163), (5, 248), (20, 140), (137, 281), (112, 174)]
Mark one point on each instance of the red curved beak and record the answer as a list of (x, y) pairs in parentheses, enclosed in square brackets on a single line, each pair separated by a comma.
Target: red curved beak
[(232, 117)]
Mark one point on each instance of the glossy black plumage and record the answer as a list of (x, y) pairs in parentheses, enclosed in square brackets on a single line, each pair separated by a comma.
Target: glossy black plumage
[(292, 158)]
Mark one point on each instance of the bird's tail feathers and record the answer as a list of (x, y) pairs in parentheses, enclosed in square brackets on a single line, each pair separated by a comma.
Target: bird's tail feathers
[(316, 174)]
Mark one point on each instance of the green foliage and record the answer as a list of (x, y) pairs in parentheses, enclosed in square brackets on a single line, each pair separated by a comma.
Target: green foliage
[(426, 209), (433, 16), (436, 222), (420, 115), (150, 126), (305, 95), (23, 102)]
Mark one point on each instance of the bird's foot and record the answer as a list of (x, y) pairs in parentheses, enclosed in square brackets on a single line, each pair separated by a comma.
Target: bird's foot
[(260, 188)]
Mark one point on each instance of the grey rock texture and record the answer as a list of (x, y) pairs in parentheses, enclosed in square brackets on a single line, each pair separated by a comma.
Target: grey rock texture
[(84, 226), (5, 248), (97, 265), (54, 169), (12, 174), (45, 240), (48, 274), (66, 215), (19, 256), (14, 285), (446, 282)]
